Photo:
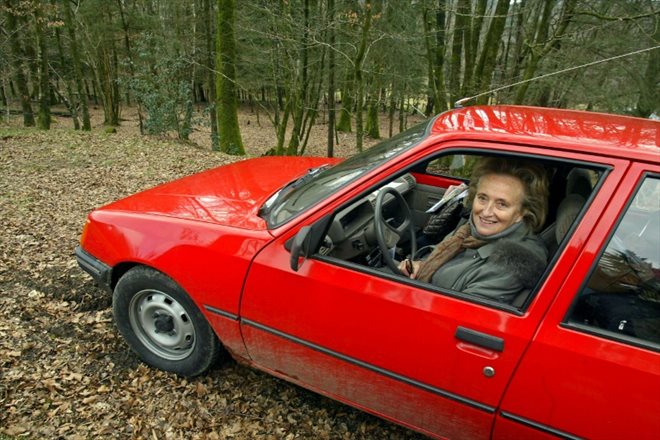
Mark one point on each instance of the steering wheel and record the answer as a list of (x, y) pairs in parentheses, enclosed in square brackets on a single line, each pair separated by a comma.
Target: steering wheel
[(382, 227)]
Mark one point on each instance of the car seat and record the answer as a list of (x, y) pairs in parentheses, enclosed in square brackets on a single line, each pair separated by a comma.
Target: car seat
[(578, 191)]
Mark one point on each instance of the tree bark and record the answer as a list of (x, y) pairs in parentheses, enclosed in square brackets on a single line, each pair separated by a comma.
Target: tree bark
[(440, 103), (373, 125), (131, 63), (486, 64), (543, 45), (229, 132), (435, 56), (472, 36), (458, 43), (331, 78), (19, 74), (649, 96), (359, 83), (347, 101), (43, 116), (70, 99), (210, 77), (300, 93)]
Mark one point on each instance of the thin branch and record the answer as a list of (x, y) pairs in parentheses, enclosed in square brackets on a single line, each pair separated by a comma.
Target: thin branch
[(462, 101)]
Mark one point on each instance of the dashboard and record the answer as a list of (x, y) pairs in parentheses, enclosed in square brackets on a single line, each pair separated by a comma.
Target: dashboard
[(352, 231)]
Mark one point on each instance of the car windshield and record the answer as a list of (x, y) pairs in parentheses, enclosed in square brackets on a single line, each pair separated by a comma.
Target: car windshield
[(305, 192)]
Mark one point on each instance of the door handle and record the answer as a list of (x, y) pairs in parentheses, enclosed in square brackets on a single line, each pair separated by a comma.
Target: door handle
[(480, 339)]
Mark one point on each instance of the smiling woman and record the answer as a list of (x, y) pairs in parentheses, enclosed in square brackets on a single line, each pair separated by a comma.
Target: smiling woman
[(495, 252), (498, 204)]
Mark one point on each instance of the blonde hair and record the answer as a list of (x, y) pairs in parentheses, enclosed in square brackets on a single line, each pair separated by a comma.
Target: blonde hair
[(533, 177)]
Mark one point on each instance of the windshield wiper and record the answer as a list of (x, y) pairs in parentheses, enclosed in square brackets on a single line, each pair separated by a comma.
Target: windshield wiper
[(283, 192)]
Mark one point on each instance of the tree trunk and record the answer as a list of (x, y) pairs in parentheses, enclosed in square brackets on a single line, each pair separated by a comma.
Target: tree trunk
[(347, 101), (486, 64), (210, 77), (331, 78), (131, 63), (359, 83), (402, 113), (43, 117), (70, 99), (19, 74), (373, 125), (107, 82), (281, 128), (472, 37), (435, 54), (313, 102), (229, 132), (458, 40), (300, 93), (186, 126), (390, 114), (649, 97), (541, 39), (3, 92), (31, 57)]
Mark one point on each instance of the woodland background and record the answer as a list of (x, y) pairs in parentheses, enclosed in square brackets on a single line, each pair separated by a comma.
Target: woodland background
[(100, 99), (332, 65)]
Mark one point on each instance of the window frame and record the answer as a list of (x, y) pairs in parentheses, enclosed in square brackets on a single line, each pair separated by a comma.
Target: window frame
[(419, 166), (597, 331)]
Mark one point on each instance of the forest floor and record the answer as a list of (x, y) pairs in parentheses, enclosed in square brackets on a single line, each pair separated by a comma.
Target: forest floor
[(64, 370)]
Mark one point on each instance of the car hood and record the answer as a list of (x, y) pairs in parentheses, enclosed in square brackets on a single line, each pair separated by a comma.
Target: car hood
[(228, 195)]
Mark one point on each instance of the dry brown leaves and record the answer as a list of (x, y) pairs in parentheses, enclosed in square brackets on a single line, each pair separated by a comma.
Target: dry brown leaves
[(64, 371)]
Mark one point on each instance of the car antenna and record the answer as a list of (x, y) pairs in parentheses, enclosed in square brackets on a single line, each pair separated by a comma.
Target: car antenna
[(460, 103)]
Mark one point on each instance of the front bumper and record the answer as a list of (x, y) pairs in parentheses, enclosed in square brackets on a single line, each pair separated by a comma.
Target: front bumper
[(101, 272)]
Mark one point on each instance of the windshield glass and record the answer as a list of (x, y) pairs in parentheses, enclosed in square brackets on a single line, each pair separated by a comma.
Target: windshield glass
[(331, 179)]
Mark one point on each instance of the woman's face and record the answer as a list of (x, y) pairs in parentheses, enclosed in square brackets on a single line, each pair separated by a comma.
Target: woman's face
[(497, 203)]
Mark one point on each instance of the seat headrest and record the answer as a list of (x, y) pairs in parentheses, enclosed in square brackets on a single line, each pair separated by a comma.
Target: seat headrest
[(567, 212), (578, 181)]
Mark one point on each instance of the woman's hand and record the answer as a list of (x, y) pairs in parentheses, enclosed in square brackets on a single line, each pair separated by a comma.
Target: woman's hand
[(409, 268)]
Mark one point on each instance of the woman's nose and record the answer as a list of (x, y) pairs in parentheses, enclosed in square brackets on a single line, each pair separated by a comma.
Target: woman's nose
[(488, 209)]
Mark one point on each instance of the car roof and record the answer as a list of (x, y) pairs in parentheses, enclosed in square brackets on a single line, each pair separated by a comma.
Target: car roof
[(573, 130)]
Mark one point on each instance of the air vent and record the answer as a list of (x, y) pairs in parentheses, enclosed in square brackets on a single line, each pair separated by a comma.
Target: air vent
[(410, 180)]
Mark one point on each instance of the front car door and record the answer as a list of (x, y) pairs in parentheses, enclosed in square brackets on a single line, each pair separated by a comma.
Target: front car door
[(435, 361), (593, 369)]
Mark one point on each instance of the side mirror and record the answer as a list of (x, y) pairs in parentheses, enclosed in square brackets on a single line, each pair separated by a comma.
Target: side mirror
[(300, 246)]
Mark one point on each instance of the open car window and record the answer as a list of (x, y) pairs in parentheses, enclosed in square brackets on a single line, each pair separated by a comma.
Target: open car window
[(352, 235)]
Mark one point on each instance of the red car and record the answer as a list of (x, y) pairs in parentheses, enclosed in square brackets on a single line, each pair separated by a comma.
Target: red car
[(291, 264)]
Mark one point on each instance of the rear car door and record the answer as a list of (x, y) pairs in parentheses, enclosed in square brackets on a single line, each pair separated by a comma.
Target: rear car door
[(593, 370)]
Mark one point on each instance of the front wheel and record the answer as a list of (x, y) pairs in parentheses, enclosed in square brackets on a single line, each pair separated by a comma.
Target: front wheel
[(162, 325)]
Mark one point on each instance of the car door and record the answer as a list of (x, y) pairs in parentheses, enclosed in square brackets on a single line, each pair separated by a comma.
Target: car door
[(593, 369), (435, 361)]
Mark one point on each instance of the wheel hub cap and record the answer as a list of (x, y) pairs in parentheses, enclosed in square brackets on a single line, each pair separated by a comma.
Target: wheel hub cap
[(162, 324)]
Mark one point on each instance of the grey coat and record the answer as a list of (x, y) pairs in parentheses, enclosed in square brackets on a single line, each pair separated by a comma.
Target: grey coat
[(499, 270)]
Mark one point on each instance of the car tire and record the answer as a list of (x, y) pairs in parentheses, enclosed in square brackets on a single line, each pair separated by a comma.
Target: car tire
[(162, 325)]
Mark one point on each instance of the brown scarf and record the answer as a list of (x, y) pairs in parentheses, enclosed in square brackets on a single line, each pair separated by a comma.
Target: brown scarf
[(446, 250)]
